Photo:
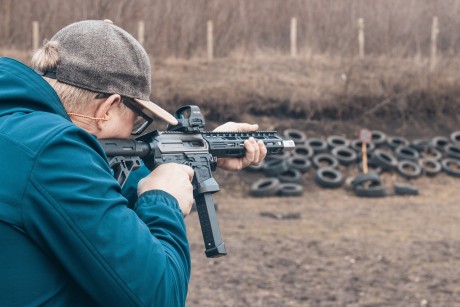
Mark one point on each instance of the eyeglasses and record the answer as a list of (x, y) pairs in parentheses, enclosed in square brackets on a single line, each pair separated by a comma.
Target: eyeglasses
[(142, 120)]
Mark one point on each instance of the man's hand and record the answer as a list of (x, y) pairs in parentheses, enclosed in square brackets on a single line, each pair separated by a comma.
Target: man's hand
[(255, 151), (172, 178)]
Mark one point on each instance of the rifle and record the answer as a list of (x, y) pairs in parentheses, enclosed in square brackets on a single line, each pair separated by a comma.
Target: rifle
[(188, 143)]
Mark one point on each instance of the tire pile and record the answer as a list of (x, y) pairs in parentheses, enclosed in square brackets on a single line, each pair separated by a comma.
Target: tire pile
[(330, 158)]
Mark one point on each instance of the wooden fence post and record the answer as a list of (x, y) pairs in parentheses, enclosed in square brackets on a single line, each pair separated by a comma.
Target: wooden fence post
[(35, 35), (210, 40), (434, 39), (7, 21), (141, 32), (361, 37), (293, 37)]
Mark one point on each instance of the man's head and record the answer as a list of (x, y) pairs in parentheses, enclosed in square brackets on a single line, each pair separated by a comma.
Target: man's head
[(101, 74)]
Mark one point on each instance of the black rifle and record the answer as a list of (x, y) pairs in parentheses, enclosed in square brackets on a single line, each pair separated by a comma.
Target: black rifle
[(187, 143)]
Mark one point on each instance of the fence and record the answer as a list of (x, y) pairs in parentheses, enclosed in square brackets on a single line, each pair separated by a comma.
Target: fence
[(292, 35), (178, 28)]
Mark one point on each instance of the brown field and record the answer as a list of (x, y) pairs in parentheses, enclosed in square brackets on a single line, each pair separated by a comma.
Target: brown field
[(343, 250)]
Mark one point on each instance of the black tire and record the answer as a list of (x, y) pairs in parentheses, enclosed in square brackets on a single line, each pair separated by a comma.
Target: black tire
[(451, 166), (290, 189), (275, 167), (368, 155), (420, 144), (405, 189), (455, 137), (324, 160), (255, 168), (265, 187), (292, 175), (300, 163), (432, 153), (303, 151), (318, 145), (334, 141), (396, 141), (384, 159), (378, 138), (327, 177), (282, 156), (439, 142), (345, 155), (409, 169), (298, 136), (430, 167), (371, 191), (371, 177), (357, 145), (452, 151), (407, 153)]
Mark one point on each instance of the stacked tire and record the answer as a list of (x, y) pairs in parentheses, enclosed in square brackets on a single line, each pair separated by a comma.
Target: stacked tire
[(284, 173), (331, 158)]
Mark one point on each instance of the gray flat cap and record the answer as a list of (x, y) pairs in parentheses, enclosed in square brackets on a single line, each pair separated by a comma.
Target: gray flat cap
[(97, 55)]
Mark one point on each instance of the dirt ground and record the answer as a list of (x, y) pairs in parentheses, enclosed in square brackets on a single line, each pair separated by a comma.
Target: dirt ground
[(342, 250)]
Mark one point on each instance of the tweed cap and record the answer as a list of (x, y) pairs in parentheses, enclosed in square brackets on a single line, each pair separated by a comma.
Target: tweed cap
[(99, 56)]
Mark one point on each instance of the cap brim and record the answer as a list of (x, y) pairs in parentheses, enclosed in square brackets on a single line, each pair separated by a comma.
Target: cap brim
[(158, 111)]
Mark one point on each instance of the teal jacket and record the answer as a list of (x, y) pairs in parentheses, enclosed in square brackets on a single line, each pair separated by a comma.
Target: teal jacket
[(67, 234)]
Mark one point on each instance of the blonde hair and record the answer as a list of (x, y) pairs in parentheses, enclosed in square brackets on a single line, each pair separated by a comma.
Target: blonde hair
[(73, 98)]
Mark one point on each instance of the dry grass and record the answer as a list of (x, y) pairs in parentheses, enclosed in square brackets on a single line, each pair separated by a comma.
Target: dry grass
[(313, 87), (310, 87)]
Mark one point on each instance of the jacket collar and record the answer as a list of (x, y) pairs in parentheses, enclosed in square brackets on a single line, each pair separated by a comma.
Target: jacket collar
[(23, 90)]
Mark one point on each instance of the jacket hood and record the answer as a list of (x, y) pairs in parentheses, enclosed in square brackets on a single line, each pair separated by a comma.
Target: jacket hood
[(23, 90)]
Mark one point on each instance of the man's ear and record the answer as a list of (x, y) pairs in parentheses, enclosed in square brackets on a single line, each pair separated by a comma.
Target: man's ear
[(106, 108)]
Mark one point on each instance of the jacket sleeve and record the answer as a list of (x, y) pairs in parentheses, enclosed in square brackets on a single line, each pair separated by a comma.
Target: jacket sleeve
[(74, 210)]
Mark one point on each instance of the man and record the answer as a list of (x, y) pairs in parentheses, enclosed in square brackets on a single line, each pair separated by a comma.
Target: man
[(68, 234)]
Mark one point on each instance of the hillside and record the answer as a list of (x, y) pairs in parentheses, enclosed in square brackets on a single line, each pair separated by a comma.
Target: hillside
[(396, 94)]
